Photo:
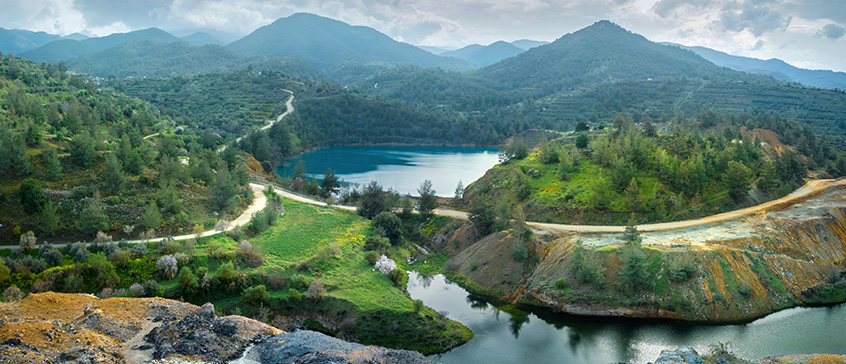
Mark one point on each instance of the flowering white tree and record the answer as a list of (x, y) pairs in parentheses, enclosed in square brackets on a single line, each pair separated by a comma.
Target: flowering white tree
[(168, 266), (385, 264)]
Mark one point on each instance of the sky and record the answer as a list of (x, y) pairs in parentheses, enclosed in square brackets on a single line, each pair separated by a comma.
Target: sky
[(805, 33)]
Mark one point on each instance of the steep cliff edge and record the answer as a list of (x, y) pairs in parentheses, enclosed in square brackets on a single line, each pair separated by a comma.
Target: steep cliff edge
[(57, 327), (737, 269)]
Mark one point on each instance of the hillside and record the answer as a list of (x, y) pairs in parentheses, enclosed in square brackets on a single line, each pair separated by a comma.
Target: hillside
[(66, 49), (526, 44), (735, 270), (330, 43), (148, 58), (81, 162), (485, 55), (775, 68), (202, 38), (600, 53), (17, 41), (628, 173)]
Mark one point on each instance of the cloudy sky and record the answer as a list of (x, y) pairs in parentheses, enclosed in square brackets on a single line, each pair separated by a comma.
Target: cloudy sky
[(806, 33)]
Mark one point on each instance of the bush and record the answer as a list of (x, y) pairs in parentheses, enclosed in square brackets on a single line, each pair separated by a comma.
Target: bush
[(398, 277), (255, 294), (32, 196), (13, 293), (249, 255), (215, 250), (385, 265), (561, 283), (681, 266), (226, 273), (587, 269), (152, 289), (139, 250), (187, 281), (417, 305), (378, 244), (81, 255), (519, 252), (389, 225), (167, 266), (28, 241), (136, 290), (51, 256), (316, 290), (371, 257)]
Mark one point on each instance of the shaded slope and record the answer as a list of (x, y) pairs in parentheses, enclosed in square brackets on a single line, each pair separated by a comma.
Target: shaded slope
[(774, 67), (66, 49), (603, 52), (326, 42), (485, 55), (16, 40)]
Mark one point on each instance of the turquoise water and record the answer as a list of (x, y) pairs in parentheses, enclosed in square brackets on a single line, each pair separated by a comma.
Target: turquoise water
[(399, 167), (540, 336)]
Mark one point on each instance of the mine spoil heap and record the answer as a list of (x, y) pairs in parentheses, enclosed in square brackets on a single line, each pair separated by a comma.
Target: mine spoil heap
[(56, 327)]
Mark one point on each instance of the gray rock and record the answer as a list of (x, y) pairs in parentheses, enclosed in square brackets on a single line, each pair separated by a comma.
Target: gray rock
[(310, 347), (679, 356)]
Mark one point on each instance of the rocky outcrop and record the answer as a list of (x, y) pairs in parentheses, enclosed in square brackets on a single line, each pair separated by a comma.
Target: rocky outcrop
[(788, 255), (721, 356), (56, 327)]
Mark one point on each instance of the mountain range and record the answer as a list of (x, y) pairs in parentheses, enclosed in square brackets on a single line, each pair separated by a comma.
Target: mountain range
[(773, 67), (485, 55), (66, 49)]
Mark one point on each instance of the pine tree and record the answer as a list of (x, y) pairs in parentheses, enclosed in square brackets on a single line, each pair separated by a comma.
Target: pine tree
[(330, 184), (113, 175), (93, 218), (428, 201), (54, 165), (48, 223), (152, 218)]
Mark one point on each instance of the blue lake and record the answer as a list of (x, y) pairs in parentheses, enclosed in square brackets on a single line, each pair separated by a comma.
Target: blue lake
[(402, 168)]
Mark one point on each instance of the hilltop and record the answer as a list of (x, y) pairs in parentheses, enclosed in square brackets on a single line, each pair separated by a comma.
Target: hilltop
[(65, 49)]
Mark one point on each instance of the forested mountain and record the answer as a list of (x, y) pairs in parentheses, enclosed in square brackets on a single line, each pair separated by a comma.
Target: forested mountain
[(66, 49), (330, 43), (202, 38), (156, 59), (526, 44), (16, 40), (485, 55), (602, 52), (776, 68)]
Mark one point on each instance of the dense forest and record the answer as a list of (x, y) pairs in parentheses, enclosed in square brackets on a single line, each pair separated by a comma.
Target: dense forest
[(635, 172), (78, 160)]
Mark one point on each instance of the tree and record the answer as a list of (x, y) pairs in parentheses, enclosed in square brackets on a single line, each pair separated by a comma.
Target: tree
[(113, 174), (458, 199), (372, 200), (582, 126), (53, 165), (582, 141), (484, 217), (634, 274), (151, 217), (387, 224), (167, 266), (28, 241), (428, 201), (330, 184), (255, 294), (93, 218), (513, 151), (187, 281), (224, 191), (738, 180), (82, 151), (633, 200), (32, 196)]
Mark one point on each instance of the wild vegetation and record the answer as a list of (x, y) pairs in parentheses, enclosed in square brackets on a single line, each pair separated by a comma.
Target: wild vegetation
[(646, 172)]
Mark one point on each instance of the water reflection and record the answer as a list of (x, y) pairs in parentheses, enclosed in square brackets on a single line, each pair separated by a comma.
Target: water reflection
[(524, 334)]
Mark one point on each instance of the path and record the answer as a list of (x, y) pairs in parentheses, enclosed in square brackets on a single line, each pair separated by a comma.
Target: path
[(289, 108)]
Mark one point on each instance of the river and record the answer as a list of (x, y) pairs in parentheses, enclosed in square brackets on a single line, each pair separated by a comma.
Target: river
[(402, 168), (512, 334)]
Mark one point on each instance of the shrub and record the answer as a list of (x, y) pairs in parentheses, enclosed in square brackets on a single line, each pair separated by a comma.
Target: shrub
[(378, 244), (28, 241), (187, 281), (417, 305), (136, 290), (255, 294), (587, 269), (249, 255), (152, 289), (371, 257), (215, 250), (519, 252), (32, 196), (385, 265), (41, 285), (274, 281), (398, 277), (13, 293), (226, 273), (81, 255), (51, 256), (167, 266), (139, 250), (561, 283), (682, 266), (316, 290), (389, 225)]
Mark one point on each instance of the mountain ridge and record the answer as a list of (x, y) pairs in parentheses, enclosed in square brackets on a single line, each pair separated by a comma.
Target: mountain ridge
[(65, 49), (482, 56)]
